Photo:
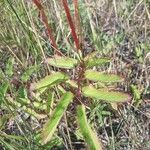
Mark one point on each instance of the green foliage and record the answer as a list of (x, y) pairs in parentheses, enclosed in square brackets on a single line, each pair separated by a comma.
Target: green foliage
[(89, 136), (9, 66), (40, 106), (62, 62), (97, 62), (102, 77), (3, 90), (4, 138), (99, 112), (105, 94), (55, 79), (3, 120), (50, 126), (2, 75), (72, 83), (136, 95), (28, 72), (93, 59), (7, 145), (50, 80), (50, 102)]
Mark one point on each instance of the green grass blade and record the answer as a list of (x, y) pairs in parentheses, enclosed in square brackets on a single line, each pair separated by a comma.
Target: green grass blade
[(51, 125), (16, 137), (6, 144), (102, 77), (34, 113), (50, 80), (104, 94), (89, 136)]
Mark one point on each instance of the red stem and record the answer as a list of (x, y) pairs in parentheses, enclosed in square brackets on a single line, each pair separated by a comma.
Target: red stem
[(71, 24), (80, 79), (45, 21), (77, 21)]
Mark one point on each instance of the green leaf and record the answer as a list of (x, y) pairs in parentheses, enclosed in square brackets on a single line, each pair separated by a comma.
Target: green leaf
[(9, 67), (16, 137), (28, 72), (51, 125), (102, 77), (51, 80), (62, 62), (91, 55), (96, 62), (89, 136), (105, 94)]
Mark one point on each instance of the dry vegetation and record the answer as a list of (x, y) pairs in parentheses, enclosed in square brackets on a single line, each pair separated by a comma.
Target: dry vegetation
[(119, 30)]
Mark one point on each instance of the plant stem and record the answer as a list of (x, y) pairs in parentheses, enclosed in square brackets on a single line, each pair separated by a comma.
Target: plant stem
[(71, 24), (45, 21)]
